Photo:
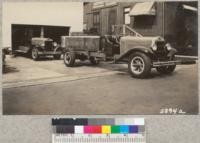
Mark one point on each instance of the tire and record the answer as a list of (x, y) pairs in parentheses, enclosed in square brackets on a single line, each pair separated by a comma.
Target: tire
[(69, 58), (141, 67), (56, 57), (166, 69), (93, 61), (34, 54)]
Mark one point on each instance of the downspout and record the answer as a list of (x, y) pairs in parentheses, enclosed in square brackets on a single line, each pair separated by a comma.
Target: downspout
[(42, 32), (163, 22)]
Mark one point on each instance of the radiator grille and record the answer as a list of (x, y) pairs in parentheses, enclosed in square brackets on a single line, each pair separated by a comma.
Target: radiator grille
[(48, 45)]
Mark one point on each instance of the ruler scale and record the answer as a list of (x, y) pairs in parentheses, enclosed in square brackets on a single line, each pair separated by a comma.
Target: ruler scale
[(98, 130)]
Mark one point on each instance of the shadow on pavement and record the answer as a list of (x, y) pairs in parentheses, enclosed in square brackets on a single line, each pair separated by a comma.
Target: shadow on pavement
[(9, 69), (42, 58), (154, 74)]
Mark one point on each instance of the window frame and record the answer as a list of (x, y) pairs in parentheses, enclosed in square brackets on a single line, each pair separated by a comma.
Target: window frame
[(124, 15), (96, 21)]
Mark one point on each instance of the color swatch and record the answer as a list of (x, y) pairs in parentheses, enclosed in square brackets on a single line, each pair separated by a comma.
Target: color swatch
[(98, 126), (98, 130)]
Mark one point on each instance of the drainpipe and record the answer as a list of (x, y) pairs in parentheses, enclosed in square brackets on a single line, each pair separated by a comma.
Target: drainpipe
[(163, 22), (42, 32)]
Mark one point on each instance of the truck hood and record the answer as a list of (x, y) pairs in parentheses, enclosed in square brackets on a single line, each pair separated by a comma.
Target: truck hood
[(132, 41)]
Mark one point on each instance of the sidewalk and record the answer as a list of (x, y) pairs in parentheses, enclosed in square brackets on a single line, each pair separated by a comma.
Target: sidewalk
[(23, 71)]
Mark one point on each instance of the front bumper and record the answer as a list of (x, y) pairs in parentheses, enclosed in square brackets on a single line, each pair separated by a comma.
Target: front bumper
[(50, 52), (165, 63)]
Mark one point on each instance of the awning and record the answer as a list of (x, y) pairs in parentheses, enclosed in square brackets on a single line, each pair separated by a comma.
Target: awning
[(143, 8), (187, 7)]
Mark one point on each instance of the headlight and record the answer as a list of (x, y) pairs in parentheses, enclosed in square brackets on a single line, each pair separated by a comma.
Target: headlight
[(154, 47), (55, 44), (42, 44), (168, 46)]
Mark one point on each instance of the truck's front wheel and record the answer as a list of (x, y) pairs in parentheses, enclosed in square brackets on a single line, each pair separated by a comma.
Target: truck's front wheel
[(69, 59), (94, 61), (166, 69), (139, 65), (34, 54)]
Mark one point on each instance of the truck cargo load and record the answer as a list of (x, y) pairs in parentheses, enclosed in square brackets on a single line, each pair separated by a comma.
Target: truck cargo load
[(81, 43)]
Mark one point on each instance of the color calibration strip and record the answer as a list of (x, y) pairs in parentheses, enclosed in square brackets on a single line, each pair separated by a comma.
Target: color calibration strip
[(98, 130)]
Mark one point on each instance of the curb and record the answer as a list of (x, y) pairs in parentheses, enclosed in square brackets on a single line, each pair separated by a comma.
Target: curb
[(55, 80)]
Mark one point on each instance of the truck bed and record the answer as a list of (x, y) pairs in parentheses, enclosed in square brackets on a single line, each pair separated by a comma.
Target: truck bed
[(81, 43)]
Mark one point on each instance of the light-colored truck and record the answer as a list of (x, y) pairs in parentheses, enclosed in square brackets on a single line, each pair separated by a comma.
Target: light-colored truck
[(141, 53)]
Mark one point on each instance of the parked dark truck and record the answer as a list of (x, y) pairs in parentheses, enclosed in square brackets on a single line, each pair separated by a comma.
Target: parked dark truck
[(141, 53), (38, 40)]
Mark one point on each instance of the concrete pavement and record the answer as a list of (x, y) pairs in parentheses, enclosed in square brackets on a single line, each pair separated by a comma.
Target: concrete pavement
[(22, 71), (104, 89)]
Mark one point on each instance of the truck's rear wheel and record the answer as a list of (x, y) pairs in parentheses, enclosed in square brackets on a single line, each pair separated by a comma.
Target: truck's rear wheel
[(166, 69), (34, 54), (94, 61), (69, 59), (139, 65)]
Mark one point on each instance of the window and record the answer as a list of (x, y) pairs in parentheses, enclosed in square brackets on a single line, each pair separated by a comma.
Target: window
[(96, 21), (127, 18), (144, 21)]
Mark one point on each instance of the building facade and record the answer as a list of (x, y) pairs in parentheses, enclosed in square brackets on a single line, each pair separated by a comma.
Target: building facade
[(177, 22)]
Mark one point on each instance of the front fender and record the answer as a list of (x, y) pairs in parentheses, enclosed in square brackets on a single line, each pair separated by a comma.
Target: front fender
[(144, 50), (37, 47), (58, 48), (172, 52)]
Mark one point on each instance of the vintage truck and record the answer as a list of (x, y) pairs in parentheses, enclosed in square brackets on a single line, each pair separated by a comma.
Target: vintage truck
[(37, 40), (141, 53), (41, 46)]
